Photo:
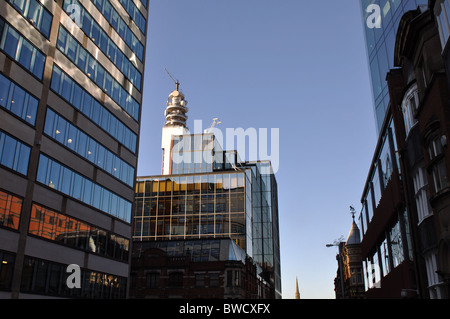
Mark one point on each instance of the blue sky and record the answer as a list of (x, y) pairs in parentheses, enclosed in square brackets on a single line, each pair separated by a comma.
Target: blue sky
[(296, 65)]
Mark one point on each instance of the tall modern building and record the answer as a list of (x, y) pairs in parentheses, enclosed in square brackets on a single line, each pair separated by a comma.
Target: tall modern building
[(71, 79), (380, 42), (209, 212)]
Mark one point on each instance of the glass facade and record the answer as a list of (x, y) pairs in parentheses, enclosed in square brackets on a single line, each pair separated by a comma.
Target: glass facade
[(81, 143), (212, 194), (188, 207), (69, 143), (35, 13), (18, 101), (93, 69), (380, 44), (73, 93), (387, 162), (54, 226), (14, 155), (49, 278), (21, 50), (93, 30), (61, 178)]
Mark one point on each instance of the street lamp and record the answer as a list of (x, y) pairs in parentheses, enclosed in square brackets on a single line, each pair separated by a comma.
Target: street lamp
[(339, 258)]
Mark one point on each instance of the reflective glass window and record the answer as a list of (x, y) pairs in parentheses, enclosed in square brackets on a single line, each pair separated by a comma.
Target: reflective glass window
[(10, 210), (51, 176), (91, 108), (14, 154)]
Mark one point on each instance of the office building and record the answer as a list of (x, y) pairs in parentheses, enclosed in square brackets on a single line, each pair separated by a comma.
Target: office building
[(380, 42), (210, 212), (71, 79)]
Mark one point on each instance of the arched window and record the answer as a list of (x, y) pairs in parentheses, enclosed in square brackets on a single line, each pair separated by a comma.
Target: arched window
[(409, 107)]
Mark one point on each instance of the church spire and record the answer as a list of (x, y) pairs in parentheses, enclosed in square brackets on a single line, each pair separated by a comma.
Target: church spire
[(297, 293)]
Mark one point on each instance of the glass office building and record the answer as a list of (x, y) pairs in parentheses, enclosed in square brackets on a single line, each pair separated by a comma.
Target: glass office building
[(380, 44), (212, 195), (71, 79)]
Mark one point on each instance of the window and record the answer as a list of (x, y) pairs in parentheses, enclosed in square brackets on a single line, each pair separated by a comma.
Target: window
[(49, 173), (420, 190), (97, 73), (442, 12), (14, 154), (21, 50), (10, 209), (176, 279), (214, 279), (6, 269), (17, 101), (116, 22), (200, 280), (409, 107), (35, 13), (437, 165), (398, 255), (91, 108), (49, 278), (152, 280)]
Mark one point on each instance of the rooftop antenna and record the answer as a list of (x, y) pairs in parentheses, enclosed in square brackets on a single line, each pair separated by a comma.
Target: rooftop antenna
[(177, 83)]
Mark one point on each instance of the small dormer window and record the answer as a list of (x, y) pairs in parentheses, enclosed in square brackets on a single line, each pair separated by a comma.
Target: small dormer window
[(409, 107)]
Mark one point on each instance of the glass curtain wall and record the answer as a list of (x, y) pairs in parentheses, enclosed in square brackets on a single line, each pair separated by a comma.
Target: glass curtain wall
[(191, 207), (380, 44)]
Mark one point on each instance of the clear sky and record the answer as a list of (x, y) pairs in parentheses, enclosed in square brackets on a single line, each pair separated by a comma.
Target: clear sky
[(296, 65)]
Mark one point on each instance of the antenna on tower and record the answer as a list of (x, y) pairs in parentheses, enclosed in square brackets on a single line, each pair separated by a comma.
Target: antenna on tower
[(177, 83)]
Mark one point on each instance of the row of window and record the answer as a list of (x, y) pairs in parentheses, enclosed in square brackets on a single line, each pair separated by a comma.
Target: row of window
[(111, 15), (18, 101), (55, 226), (153, 280), (196, 204), (190, 226), (21, 50), (135, 14), (14, 154), (35, 13), (106, 45), (94, 70), (10, 209), (392, 251), (70, 136), (72, 232), (384, 167), (81, 100), (190, 185), (63, 179), (46, 277)]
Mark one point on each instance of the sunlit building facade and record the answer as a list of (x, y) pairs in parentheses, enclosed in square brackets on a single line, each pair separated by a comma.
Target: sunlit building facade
[(208, 194), (71, 79)]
